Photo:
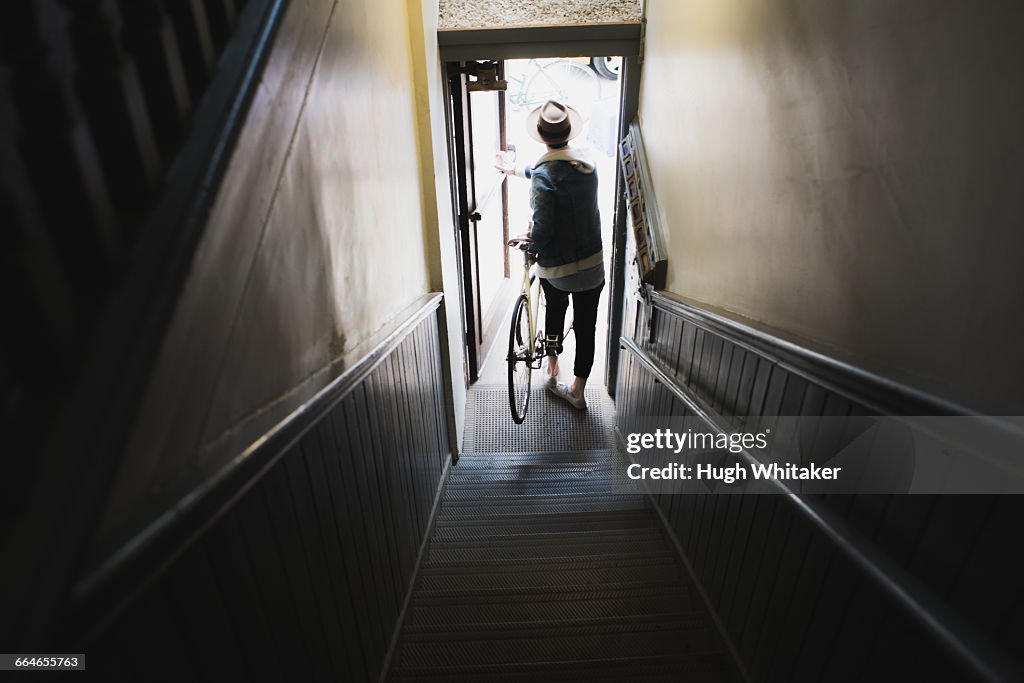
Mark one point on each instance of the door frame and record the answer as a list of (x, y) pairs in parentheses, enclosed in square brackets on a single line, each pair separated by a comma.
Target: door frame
[(460, 142), (467, 207), (623, 39)]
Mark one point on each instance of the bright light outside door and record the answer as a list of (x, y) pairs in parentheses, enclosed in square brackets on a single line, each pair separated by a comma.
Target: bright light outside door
[(596, 94)]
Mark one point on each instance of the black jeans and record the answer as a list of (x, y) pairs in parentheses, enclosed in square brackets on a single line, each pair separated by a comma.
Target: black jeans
[(584, 323)]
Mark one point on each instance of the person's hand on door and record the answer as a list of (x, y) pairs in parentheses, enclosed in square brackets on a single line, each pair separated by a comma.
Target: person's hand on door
[(505, 162)]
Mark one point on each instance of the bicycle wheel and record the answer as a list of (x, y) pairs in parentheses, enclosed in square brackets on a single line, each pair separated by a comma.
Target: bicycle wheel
[(566, 82), (520, 347)]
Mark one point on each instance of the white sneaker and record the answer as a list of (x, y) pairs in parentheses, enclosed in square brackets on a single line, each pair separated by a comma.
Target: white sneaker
[(562, 392), (550, 381)]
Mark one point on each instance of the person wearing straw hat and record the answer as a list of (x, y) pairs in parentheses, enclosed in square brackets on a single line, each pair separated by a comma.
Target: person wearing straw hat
[(566, 231)]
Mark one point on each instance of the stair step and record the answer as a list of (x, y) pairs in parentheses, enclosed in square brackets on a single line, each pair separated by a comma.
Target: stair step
[(692, 668), (554, 526), (591, 453), (542, 567), (532, 519), (500, 472), (539, 538), (518, 468), (553, 574), (549, 499), (553, 628), (653, 547), (525, 593), (526, 489), (553, 594), (485, 482), (499, 469), (613, 640), (537, 505), (556, 564), (505, 611), (490, 514)]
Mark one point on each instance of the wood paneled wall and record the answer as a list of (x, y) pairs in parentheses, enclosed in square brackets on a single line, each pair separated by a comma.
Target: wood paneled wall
[(792, 602), (304, 575)]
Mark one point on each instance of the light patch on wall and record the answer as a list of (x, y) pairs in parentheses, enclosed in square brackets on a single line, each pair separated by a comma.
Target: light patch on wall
[(369, 187), (314, 244), (716, 23), (842, 172)]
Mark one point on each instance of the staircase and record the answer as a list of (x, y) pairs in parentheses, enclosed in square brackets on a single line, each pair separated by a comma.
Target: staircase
[(539, 568)]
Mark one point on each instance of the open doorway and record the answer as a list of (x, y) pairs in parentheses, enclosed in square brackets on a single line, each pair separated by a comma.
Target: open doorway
[(490, 103)]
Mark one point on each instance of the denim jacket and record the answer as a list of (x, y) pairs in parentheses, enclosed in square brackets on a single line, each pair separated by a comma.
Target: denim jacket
[(566, 222)]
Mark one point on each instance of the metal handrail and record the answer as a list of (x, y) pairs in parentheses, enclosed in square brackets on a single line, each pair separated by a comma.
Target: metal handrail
[(143, 556), (828, 372), (969, 646)]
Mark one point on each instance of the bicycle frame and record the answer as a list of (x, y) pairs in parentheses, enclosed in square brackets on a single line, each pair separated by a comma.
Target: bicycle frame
[(526, 348), (533, 305)]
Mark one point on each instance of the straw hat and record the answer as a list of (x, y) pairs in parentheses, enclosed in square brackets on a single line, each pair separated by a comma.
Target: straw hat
[(554, 123)]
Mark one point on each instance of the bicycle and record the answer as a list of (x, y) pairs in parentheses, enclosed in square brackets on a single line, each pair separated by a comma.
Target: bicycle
[(562, 80), (526, 342)]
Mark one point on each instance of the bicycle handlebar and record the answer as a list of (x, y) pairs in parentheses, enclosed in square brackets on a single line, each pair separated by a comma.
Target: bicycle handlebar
[(522, 244)]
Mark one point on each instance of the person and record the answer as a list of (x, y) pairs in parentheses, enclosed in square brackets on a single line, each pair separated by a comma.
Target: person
[(566, 231)]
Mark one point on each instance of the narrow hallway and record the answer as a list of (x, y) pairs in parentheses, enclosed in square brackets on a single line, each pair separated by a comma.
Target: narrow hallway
[(539, 569), (260, 295)]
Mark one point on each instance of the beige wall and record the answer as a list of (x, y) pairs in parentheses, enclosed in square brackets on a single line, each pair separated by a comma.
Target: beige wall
[(323, 233), (849, 173)]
